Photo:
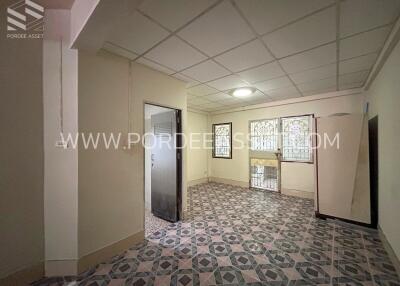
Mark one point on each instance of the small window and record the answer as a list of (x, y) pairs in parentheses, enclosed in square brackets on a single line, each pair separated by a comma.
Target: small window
[(222, 143), (296, 139), (264, 135)]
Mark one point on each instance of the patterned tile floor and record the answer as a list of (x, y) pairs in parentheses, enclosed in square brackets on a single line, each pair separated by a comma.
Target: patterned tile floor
[(153, 223), (237, 236)]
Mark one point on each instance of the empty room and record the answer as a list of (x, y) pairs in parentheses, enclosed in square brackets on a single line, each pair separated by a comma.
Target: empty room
[(199, 142)]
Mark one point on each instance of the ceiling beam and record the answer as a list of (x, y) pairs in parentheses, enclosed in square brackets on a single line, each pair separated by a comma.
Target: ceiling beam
[(97, 21)]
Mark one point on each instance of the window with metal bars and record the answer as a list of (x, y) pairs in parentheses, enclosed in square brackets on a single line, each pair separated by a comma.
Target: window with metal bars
[(264, 135), (296, 139), (263, 176), (222, 140)]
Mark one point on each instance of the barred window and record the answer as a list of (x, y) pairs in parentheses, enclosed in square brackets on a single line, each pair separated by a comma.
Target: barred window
[(264, 135), (222, 140), (296, 139)]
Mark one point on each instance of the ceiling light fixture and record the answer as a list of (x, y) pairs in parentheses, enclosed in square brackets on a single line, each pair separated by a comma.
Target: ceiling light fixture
[(242, 92)]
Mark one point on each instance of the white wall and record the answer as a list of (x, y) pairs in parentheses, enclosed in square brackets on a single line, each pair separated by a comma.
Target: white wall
[(295, 176), (109, 178), (197, 168), (384, 99), (60, 166), (21, 153)]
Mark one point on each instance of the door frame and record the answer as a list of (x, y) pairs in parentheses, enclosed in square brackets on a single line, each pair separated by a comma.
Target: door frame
[(179, 158), (252, 155)]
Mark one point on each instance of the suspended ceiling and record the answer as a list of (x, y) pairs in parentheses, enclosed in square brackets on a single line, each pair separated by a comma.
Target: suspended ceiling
[(283, 48)]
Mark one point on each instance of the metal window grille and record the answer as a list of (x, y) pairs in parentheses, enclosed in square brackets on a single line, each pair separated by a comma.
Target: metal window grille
[(222, 140), (264, 135), (264, 177), (296, 139)]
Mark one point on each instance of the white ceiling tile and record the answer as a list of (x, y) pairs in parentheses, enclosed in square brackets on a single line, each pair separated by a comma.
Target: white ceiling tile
[(154, 65), (344, 86), (274, 83), (175, 54), (189, 81), (264, 72), (238, 104), (354, 77), (267, 15), (213, 109), (318, 85), (319, 91), (310, 32), (230, 101), (228, 82), (362, 15), (225, 107), (284, 96), (190, 97), (143, 34), (201, 90), (311, 59), (198, 101), (364, 43), (119, 51), (218, 96), (212, 105), (284, 93), (196, 107), (174, 14), (357, 64), (206, 71), (256, 96), (218, 30), (246, 56), (258, 101), (314, 74)]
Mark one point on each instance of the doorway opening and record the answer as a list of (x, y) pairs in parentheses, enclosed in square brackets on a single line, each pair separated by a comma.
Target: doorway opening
[(163, 167), (264, 173), (263, 154), (373, 168)]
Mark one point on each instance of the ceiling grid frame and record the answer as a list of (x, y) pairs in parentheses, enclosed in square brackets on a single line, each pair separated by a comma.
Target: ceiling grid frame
[(265, 45), (336, 3)]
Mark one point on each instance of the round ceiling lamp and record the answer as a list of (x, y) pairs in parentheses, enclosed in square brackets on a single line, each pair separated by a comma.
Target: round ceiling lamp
[(242, 92)]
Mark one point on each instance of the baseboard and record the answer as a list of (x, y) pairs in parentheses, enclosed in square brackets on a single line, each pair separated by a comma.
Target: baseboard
[(196, 182), (389, 250), (61, 268), (90, 260), (229, 182), (298, 193), (24, 276)]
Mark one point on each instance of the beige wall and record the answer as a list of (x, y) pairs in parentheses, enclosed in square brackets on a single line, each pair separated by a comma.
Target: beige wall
[(197, 168), (109, 178), (295, 176), (61, 165), (384, 100), (21, 152)]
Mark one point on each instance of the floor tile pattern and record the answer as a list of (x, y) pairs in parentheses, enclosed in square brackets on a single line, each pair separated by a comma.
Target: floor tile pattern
[(153, 223), (236, 236)]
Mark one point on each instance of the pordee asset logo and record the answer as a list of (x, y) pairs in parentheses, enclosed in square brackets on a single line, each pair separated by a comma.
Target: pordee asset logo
[(25, 20)]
